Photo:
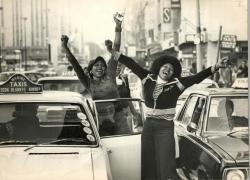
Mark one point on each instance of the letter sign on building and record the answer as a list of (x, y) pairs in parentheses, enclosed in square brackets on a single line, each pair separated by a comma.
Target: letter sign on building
[(228, 41), (166, 15), (175, 4)]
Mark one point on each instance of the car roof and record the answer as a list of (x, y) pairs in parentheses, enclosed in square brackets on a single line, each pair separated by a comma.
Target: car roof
[(58, 78), (19, 72), (219, 91), (45, 96)]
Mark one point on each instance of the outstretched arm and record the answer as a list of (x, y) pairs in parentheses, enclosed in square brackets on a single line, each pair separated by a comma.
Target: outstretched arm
[(75, 64), (131, 64), (197, 78)]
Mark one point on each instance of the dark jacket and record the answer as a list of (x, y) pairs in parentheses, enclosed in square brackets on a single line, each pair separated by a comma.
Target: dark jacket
[(170, 93), (123, 86)]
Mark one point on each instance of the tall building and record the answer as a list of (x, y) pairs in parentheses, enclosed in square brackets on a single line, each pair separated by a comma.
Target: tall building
[(31, 31)]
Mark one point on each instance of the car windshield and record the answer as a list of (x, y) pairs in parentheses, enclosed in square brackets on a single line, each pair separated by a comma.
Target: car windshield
[(41, 123), (63, 85), (227, 114)]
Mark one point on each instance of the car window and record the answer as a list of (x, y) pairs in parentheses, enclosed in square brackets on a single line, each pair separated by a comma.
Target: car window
[(198, 112), (5, 76), (63, 85), (186, 115), (227, 113), (33, 76), (43, 122), (119, 117)]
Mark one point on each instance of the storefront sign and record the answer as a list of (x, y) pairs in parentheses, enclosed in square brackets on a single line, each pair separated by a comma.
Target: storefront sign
[(228, 41), (175, 4)]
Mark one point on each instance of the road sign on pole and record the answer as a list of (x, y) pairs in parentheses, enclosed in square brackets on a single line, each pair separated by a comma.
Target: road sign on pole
[(228, 41)]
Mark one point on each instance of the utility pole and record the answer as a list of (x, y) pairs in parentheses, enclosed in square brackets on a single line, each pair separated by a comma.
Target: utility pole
[(25, 48), (198, 38)]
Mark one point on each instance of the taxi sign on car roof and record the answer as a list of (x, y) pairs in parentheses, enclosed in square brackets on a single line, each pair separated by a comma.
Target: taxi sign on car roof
[(241, 83), (19, 84)]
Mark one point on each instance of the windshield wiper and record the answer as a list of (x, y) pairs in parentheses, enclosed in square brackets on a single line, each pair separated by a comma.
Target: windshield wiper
[(238, 130), (56, 141), (16, 142)]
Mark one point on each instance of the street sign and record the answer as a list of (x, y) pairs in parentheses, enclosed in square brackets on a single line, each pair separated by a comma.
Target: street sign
[(228, 41)]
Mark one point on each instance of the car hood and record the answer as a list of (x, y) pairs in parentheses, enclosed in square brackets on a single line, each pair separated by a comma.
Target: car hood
[(236, 147), (45, 163)]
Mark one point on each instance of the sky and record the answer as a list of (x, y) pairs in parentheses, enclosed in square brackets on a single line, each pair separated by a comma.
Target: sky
[(94, 16)]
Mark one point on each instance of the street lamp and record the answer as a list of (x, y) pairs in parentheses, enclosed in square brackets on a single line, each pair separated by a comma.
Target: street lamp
[(25, 48)]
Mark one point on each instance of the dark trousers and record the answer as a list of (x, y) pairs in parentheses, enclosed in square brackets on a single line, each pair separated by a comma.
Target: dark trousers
[(158, 150)]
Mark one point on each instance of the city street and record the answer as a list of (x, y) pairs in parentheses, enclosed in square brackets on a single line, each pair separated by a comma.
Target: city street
[(124, 90)]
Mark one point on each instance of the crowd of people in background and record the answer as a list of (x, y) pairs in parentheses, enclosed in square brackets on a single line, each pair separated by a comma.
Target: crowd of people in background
[(226, 76)]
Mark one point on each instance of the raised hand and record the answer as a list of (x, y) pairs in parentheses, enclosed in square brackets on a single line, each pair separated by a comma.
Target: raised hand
[(109, 44), (222, 63), (118, 18), (64, 40)]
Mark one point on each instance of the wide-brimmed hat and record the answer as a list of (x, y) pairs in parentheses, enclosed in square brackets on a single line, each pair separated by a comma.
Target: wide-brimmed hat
[(155, 68), (92, 62)]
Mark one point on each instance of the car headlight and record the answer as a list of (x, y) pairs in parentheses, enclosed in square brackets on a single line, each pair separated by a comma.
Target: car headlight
[(236, 174)]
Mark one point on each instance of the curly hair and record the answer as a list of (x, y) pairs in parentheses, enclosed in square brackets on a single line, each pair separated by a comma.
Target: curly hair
[(159, 62)]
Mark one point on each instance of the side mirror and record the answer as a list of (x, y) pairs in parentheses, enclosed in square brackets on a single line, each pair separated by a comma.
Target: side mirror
[(191, 127)]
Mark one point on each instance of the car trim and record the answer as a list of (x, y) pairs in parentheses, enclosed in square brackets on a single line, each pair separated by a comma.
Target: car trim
[(59, 153), (191, 139), (232, 168)]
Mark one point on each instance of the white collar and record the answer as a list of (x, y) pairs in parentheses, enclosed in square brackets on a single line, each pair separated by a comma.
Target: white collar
[(160, 80)]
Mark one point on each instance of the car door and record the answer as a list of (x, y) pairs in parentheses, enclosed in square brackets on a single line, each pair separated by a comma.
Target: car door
[(190, 143), (124, 148)]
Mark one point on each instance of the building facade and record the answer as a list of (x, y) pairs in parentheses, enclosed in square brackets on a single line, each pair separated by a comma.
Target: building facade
[(31, 30), (170, 27)]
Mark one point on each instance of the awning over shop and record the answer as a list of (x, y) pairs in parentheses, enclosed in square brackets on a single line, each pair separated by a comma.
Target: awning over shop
[(186, 45), (170, 52), (154, 47), (11, 57)]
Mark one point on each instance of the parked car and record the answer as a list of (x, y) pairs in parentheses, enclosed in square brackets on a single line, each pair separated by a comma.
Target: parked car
[(55, 135), (206, 83), (212, 128)]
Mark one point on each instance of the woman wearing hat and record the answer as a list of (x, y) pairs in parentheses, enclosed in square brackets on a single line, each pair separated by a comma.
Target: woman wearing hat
[(161, 88), (100, 81)]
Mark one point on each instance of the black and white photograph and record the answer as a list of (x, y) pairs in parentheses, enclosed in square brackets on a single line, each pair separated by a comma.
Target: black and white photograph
[(124, 90)]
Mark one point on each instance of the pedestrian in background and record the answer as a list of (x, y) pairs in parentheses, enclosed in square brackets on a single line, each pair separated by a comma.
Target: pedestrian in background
[(124, 91), (161, 88), (122, 83), (226, 78), (193, 69), (242, 71)]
